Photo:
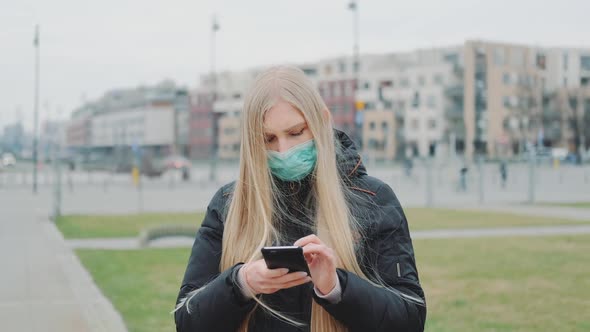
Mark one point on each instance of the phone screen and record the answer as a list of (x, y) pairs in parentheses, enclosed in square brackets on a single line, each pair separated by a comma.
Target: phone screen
[(290, 257)]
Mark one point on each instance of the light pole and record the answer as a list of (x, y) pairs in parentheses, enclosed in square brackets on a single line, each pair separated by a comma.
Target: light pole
[(214, 134), (353, 6), (36, 115)]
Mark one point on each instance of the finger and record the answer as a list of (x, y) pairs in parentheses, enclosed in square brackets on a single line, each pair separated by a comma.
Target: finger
[(316, 249), (290, 277), (308, 239), (275, 273), (296, 282)]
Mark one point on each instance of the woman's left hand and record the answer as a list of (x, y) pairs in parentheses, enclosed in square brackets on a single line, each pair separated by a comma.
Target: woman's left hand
[(321, 260)]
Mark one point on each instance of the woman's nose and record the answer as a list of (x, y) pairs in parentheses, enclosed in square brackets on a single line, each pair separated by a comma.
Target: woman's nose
[(283, 145)]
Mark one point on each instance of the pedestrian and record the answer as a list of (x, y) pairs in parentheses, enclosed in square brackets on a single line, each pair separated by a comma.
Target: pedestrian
[(300, 183), (503, 173), (408, 165), (463, 178)]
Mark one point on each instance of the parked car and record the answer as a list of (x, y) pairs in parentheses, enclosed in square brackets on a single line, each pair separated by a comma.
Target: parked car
[(8, 160)]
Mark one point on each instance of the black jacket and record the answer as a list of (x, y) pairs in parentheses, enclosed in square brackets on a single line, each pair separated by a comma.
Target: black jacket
[(387, 249)]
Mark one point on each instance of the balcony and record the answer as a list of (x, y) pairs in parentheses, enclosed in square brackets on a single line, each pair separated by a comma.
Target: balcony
[(453, 113), (455, 90)]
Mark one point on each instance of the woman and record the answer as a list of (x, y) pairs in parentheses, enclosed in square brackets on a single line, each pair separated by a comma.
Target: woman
[(300, 183)]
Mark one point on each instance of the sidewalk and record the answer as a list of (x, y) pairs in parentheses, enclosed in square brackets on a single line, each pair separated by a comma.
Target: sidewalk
[(43, 286)]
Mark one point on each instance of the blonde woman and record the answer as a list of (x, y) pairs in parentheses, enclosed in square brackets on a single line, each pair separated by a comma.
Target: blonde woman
[(300, 183)]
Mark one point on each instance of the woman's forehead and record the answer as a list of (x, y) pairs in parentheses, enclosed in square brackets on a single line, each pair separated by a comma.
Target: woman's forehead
[(282, 116)]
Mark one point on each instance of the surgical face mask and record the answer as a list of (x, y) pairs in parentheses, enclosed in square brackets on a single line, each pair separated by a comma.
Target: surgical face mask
[(295, 163)]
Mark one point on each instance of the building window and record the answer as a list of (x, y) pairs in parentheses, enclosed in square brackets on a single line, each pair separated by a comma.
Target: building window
[(452, 58), (438, 79), (342, 66), (565, 82), (432, 124), (506, 78), (416, 100), (431, 102), (336, 90), (384, 126), (415, 124), (387, 104), (499, 56), (349, 88), (541, 61), (366, 85), (421, 80), (506, 101), (565, 61), (328, 70), (585, 62), (372, 125), (310, 71), (517, 57), (404, 82)]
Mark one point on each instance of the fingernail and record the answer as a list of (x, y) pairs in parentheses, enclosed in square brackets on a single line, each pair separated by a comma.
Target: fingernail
[(303, 274)]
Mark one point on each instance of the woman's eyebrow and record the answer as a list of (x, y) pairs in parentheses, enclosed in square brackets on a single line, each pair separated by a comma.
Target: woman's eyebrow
[(295, 126), (286, 130)]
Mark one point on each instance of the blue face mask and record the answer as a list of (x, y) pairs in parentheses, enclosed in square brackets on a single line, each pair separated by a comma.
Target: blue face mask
[(295, 163)]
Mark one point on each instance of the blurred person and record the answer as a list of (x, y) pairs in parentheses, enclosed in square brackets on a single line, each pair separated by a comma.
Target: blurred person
[(463, 177), (300, 183), (503, 173), (408, 165)]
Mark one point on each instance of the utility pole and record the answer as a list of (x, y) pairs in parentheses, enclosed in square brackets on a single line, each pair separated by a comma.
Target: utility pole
[(215, 131), (36, 115)]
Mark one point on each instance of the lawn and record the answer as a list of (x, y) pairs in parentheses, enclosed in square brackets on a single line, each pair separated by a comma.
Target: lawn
[(582, 205), (516, 284), (99, 226), (102, 226)]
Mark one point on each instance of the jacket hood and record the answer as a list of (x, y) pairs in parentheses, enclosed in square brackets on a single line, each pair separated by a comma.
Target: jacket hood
[(347, 157)]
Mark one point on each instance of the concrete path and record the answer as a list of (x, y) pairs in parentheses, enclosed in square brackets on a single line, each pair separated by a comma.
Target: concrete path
[(131, 243), (43, 286)]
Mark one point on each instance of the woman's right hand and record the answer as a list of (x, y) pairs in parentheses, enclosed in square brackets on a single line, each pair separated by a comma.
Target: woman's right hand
[(262, 280)]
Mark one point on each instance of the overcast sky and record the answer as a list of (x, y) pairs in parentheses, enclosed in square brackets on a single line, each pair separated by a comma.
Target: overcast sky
[(89, 47)]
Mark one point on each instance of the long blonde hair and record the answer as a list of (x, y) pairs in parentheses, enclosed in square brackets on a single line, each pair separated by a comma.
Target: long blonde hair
[(250, 223)]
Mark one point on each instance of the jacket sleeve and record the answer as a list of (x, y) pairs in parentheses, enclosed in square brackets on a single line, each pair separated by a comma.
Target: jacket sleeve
[(220, 306), (365, 307)]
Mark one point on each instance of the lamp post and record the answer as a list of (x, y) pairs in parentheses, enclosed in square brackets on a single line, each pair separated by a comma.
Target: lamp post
[(36, 115), (353, 6), (214, 133)]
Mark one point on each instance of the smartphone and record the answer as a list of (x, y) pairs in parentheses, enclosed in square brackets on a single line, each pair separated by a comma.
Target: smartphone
[(289, 257)]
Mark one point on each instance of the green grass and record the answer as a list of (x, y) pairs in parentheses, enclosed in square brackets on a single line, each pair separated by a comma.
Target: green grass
[(582, 205), (425, 219), (513, 284), (97, 226), (142, 284)]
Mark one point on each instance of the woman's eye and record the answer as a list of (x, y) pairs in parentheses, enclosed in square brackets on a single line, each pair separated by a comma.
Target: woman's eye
[(269, 139), (298, 133)]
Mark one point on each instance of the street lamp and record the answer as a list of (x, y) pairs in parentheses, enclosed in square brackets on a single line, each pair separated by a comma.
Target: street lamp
[(353, 6), (214, 140), (36, 116)]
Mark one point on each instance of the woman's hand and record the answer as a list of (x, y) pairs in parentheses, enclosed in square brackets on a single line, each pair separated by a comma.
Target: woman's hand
[(321, 260), (262, 280)]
